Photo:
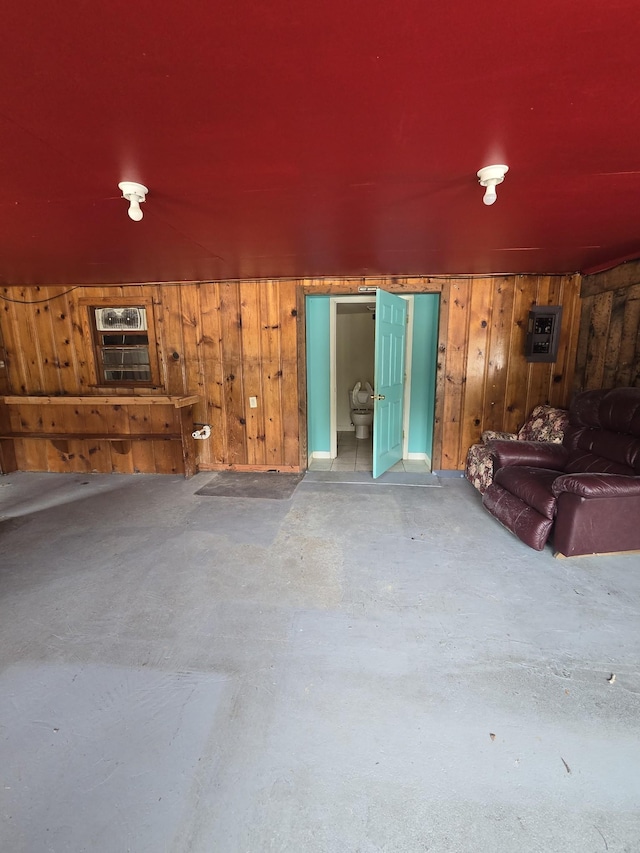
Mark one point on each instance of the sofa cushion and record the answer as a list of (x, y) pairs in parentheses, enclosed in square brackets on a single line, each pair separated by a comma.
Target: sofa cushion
[(602, 451), (532, 485), (547, 423), (613, 409)]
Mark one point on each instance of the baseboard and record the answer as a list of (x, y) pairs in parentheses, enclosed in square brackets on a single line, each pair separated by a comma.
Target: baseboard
[(276, 469)]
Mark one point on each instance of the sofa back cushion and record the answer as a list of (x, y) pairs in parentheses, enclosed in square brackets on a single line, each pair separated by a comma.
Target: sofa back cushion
[(604, 432), (546, 423)]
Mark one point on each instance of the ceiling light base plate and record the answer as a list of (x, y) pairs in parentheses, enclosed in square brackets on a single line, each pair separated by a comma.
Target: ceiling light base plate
[(131, 188), (492, 175)]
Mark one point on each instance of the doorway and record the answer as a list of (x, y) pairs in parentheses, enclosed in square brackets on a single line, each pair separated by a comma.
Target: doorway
[(339, 345)]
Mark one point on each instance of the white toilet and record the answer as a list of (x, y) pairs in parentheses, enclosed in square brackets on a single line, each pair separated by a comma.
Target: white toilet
[(361, 408)]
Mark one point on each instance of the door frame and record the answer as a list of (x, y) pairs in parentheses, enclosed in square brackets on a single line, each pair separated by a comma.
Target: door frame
[(333, 370)]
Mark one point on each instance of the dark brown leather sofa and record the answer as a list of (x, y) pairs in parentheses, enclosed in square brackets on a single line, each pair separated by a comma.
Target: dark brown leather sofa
[(583, 494)]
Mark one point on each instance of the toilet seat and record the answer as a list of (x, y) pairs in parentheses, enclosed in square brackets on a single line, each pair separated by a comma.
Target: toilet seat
[(361, 397)]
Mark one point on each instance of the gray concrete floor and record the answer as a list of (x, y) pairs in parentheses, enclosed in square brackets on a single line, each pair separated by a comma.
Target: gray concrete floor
[(366, 667)]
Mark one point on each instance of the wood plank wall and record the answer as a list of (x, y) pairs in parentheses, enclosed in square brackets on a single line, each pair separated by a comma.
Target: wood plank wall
[(608, 353), (8, 460), (229, 341)]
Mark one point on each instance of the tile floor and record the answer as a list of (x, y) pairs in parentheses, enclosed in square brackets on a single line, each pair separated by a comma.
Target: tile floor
[(356, 454)]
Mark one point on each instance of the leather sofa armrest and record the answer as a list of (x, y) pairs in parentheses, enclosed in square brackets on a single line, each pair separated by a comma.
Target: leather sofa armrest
[(597, 485), (537, 454)]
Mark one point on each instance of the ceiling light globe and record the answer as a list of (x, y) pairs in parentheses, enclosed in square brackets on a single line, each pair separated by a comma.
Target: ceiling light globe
[(490, 194), (135, 211)]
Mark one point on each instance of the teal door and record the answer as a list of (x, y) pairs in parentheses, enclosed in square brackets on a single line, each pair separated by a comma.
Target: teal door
[(391, 332)]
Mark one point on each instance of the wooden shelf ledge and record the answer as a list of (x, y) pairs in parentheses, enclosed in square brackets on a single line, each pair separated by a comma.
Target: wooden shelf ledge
[(94, 436), (100, 400)]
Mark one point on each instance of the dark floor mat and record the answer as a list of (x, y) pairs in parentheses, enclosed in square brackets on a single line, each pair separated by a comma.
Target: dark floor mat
[(231, 484)]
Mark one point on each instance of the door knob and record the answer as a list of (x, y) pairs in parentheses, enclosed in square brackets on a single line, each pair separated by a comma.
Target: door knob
[(377, 396)]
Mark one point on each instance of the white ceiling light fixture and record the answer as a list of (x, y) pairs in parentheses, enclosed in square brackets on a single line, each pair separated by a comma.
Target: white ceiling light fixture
[(490, 177), (135, 194)]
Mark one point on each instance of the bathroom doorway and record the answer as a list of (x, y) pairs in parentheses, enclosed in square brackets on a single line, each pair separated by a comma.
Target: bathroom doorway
[(352, 343), (339, 350)]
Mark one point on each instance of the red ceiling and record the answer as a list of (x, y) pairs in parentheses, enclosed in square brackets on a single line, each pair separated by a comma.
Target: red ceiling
[(306, 139)]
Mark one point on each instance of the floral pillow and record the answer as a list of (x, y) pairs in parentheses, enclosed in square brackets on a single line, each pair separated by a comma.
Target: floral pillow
[(493, 435), (546, 423)]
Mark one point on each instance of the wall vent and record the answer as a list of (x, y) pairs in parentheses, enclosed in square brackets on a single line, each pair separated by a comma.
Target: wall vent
[(121, 319)]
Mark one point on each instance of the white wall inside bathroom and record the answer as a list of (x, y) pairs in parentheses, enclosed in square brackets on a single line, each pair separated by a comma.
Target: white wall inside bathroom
[(355, 341)]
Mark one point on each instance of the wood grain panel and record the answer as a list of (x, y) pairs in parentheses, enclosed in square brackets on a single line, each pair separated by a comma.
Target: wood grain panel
[(628, 368), (608, 352), (215, 452), (494, 413), (233, 340), (455, 376), (598, 336), (289, 366), (478, 346), (251, 340), (231, 325), (272, 372)]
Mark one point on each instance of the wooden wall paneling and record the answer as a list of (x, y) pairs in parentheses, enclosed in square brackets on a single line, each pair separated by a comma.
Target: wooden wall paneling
[(98, 452), (455, 374), (272, 373), (193, 337), (73, 346), (562, 370), (216, 448), (437, 461), (26, 350), (545, 292), (8, 462), (622, 276), (50, 364), (252, 367), (62, 456), (598, 335), (517, 398), (188, 444), (579, 378), (498, 354), (301, 367), (119, 423), (478, 342), (167, 454), (628, 372), (143, 455), (552, 286), (8, 327), (168, 318), (614, 338), (289, 386), (31, 455), (231, 321)]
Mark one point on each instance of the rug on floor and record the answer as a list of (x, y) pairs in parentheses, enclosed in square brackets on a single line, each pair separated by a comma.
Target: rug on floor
[(267, 485)]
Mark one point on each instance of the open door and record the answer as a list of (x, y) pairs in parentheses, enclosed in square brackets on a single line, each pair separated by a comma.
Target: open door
[(391, 332)]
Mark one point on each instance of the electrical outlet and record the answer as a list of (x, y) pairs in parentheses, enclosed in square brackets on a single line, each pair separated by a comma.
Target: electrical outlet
[(253, 402)]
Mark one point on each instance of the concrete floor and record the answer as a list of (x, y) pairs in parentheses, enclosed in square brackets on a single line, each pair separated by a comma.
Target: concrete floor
[(366, 667)]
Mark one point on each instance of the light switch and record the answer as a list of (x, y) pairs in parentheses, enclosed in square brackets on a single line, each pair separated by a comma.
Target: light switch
[(253, 402)]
